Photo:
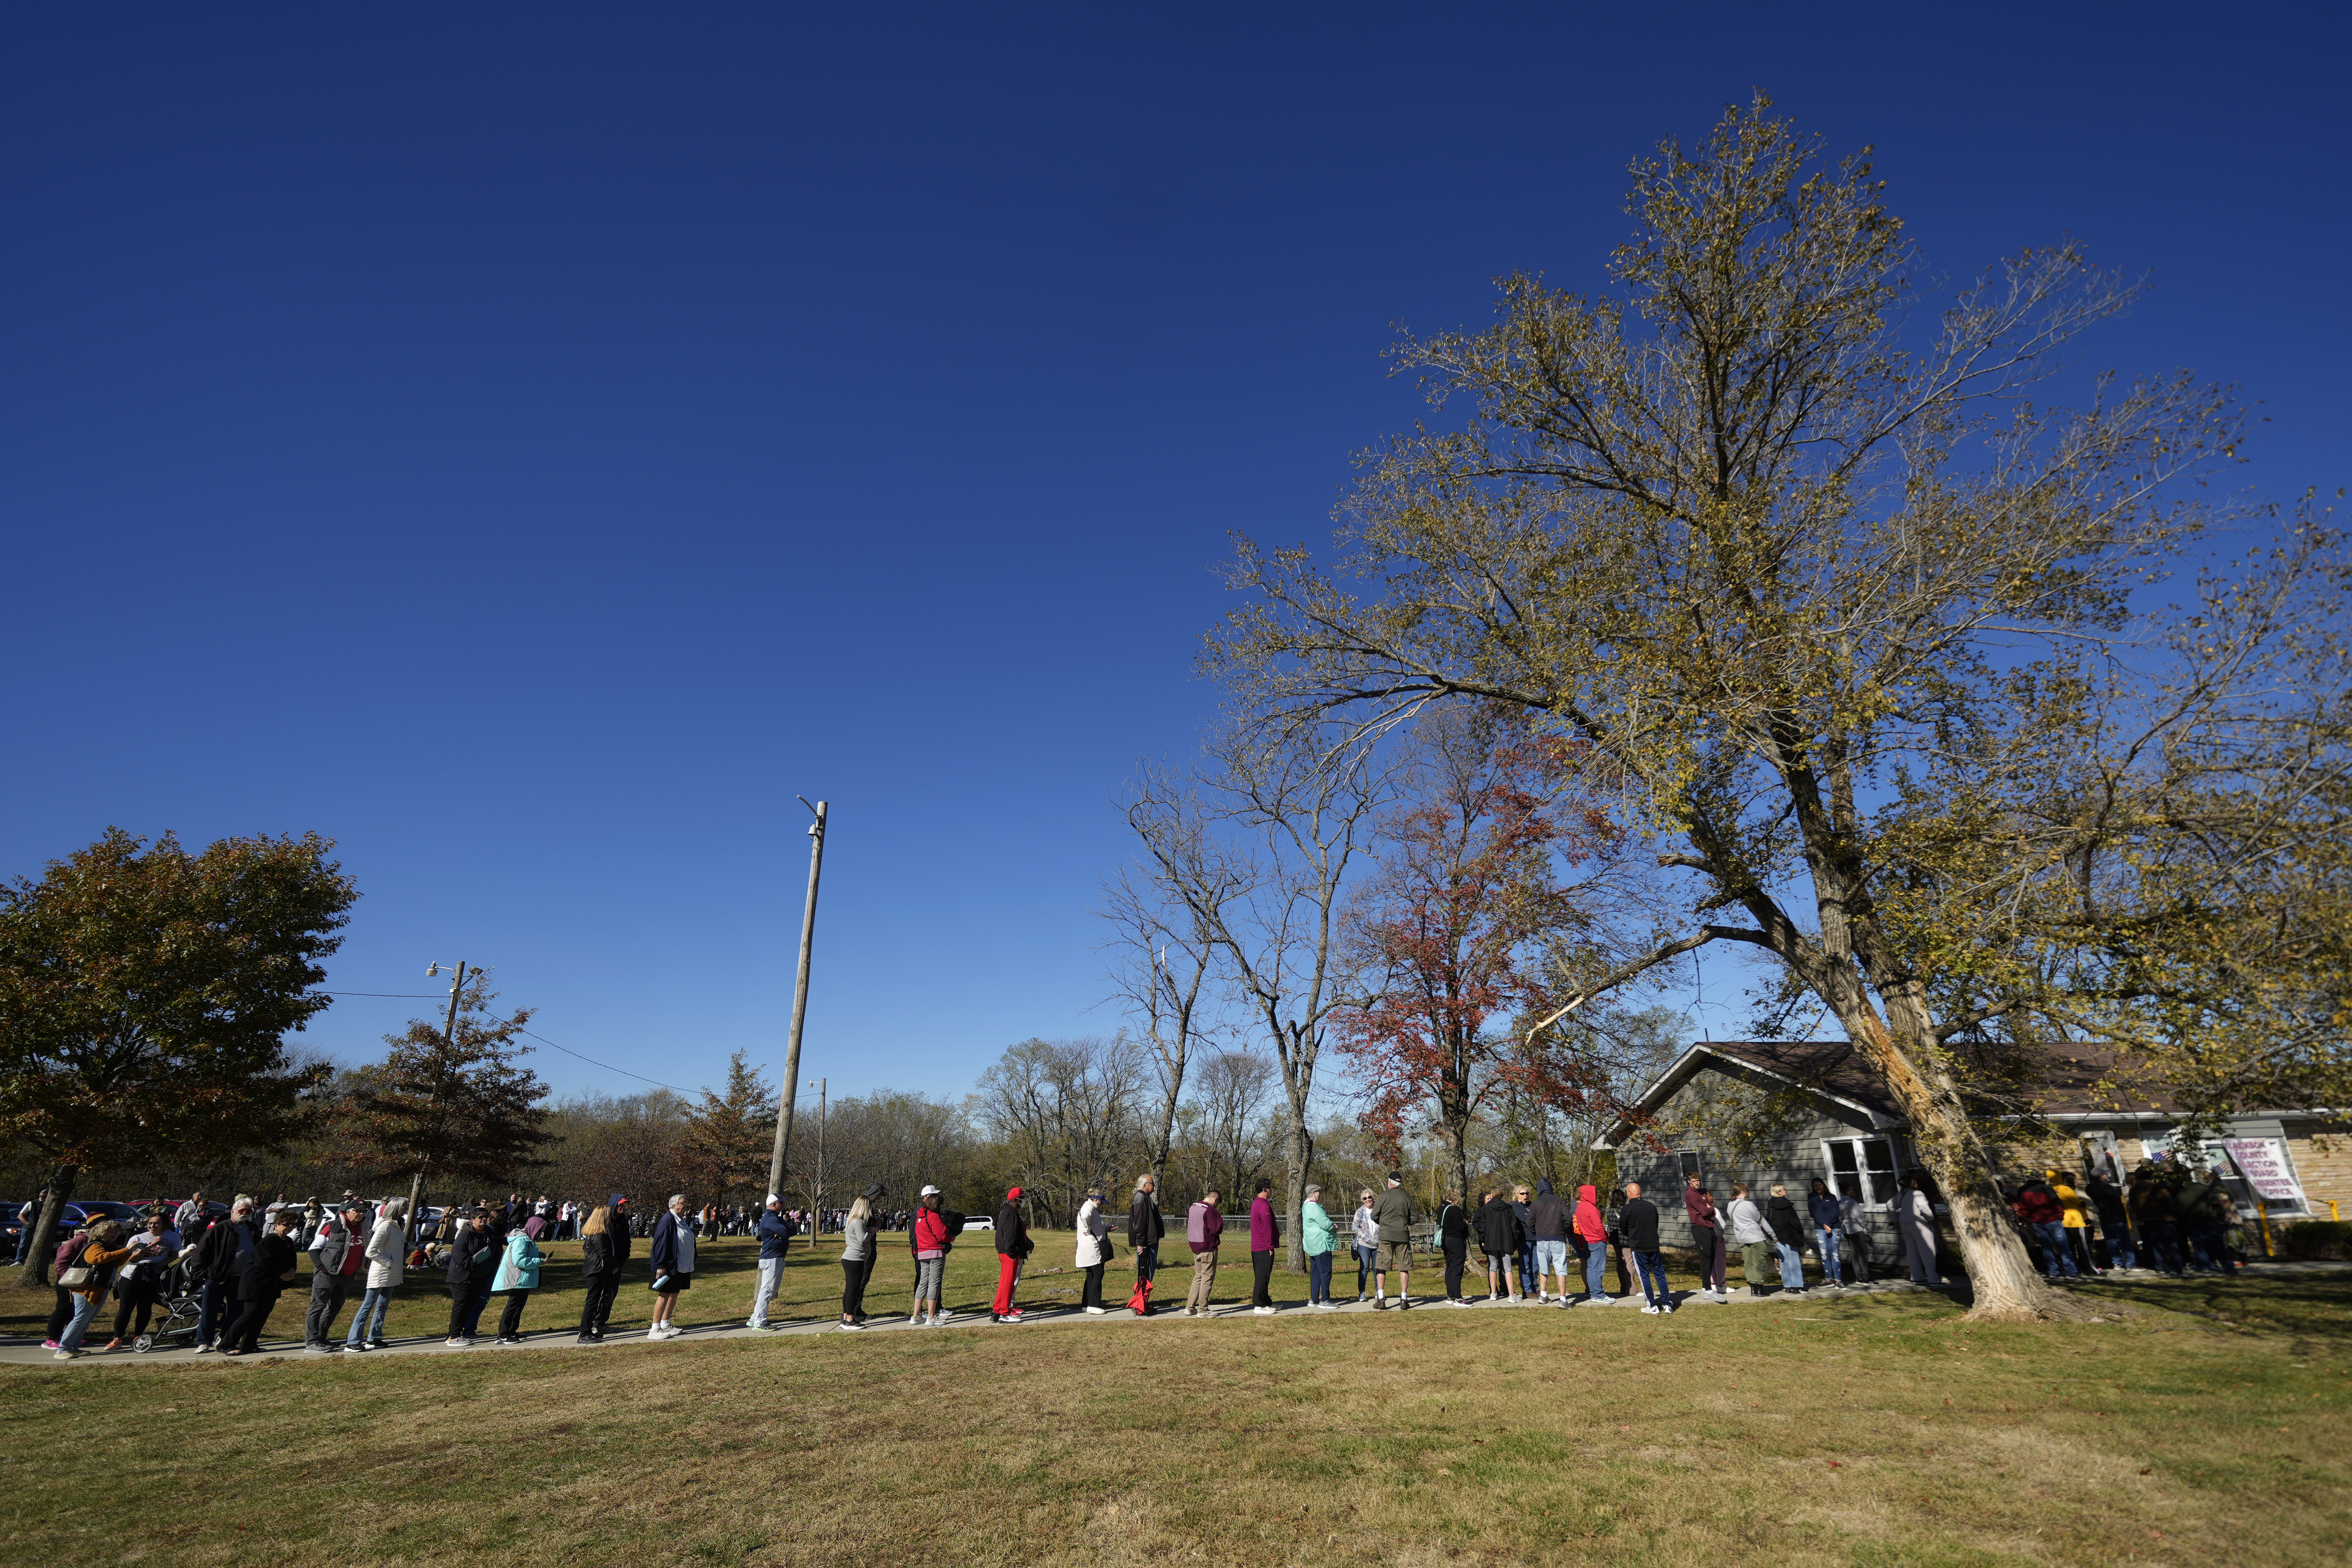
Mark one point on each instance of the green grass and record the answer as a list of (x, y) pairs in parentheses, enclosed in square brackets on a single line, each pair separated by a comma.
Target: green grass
[(1877, 1432)]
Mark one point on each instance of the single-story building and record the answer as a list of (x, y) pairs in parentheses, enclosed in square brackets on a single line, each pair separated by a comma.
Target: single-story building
[(1761, 1111)]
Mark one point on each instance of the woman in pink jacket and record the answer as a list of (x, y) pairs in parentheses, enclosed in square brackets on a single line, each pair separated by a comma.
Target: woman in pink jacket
[(1262, 1238)]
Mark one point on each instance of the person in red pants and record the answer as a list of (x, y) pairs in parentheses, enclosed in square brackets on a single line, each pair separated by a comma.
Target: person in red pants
[(1011, 1250)]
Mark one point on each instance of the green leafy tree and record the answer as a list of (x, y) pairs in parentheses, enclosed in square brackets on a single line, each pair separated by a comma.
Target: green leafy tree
[(731, 1135), (145, 997), (1853, 618), (455, 1107)]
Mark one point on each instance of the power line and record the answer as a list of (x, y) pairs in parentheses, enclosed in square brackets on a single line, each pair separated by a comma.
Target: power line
[(542, 1039)]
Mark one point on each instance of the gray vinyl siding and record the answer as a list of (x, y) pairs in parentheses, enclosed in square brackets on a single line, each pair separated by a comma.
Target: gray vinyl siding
[(1793, 1158)]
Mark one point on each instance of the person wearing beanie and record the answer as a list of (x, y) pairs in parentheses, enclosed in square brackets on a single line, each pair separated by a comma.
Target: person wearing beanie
[(1012, 1246), (1547, 1226)]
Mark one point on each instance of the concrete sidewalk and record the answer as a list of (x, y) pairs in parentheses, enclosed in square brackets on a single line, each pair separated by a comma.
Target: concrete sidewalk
[(28, 1351)]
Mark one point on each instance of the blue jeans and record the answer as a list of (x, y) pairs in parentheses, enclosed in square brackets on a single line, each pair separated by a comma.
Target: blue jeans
[(24, 1241), (1596, 1271), (1318, 1277), (2119, 1246), (474, 1313), (2213, 1247), (376, 1302), (1365, 1258), (1551, 1257), (84, 1310), (2056, 1252), (1527, 1268), (216, 1312), (1827, 1240), (1652, 1268), (1792, 1266)]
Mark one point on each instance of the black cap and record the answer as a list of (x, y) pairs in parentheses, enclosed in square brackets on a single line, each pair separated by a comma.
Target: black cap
[(1397, 1176), (875, 1190)]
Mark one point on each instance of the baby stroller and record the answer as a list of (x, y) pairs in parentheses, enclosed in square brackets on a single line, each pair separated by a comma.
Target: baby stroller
[(182, 1309)]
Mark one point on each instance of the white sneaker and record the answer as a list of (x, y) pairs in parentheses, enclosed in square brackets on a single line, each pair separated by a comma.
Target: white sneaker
[(1098, 1311), (1262, 1312), (1648, 1310)]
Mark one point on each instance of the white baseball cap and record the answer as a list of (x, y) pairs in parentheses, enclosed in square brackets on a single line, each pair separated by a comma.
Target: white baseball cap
[(927, 1192)]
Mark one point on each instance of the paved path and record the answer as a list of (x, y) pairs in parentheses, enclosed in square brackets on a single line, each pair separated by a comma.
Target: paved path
[(28, 1351)]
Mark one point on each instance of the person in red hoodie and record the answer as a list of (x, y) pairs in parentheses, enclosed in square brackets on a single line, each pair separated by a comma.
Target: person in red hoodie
[(1593, 1231), (929, 1241), (1262, 1239)]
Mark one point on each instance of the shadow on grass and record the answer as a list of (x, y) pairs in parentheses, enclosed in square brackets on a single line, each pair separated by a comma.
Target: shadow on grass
[(2311, 1307)]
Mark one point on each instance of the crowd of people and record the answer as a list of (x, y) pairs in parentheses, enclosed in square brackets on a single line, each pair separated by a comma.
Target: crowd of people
[(233, 1267)]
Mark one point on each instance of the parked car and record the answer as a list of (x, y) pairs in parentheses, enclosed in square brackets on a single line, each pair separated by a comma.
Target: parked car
[(980, 1225), (86, 1209)]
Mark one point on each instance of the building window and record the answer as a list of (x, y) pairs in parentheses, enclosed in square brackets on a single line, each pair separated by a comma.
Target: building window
[(1689, 1157), (1861, 1168)]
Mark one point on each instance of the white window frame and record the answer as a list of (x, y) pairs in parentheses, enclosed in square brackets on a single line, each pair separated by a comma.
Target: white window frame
[(1861, 1165)]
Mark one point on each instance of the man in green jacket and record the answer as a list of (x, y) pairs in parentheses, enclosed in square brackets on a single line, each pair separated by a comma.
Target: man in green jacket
[(1392, 1213)]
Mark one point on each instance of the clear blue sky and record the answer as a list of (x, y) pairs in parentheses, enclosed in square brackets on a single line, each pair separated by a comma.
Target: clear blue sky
[(530, 444)]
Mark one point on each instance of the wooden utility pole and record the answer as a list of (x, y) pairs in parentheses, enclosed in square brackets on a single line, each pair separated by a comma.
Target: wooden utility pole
[(449, 1043), (800, 1004)]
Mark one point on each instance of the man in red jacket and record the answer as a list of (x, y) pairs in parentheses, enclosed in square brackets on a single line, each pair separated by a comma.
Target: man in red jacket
[(1012, 1246)]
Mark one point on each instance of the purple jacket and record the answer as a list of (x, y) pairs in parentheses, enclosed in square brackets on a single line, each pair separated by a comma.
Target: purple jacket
[(1261, 1224)]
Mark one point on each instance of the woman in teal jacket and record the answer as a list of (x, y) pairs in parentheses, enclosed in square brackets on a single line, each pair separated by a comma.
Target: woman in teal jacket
[(1315, 1234), (517, 1275)]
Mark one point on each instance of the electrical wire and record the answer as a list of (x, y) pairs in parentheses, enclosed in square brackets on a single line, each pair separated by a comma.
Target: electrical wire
[(542, 1039)]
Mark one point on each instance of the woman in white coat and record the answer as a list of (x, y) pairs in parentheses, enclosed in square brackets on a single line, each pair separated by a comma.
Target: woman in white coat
[(387, 1262), (1914, 1216), (1094, 1248)]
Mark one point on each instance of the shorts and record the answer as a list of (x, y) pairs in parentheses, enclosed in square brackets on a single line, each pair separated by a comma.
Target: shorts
[(677, 1282), (1394, 1255)]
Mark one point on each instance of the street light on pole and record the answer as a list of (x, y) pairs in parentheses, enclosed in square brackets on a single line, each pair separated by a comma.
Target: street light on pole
[(800, 1003)]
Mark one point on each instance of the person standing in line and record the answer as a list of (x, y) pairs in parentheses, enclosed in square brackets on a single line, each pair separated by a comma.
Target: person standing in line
[(1707, 1236), (1547, 1218), (1013, 1247), (268, 1269), (1263, 1236), (1454, 1243), (1523, 1211), (857, 1260), (140, 1280), (1366, 1232), (470, 1246), (388, 1266), (1821, 1209), (27, 1218), (930, 1240), (1203, 1226), (191, 1218), (2115, 1229), (2039, 1207), (1094, 1251), (1145, 1228), (673, 1265), (1914, 1216), (86, 1276), (337, 1259), (1638, 1220), (68, 1252), (1854, 1221), (1392, 1214), (2074, 1219), (2206, 1212), (1748, 1234), (1592, 1230), (220, 1263), (775, 1241), (1788, 1228), (314, 1214), (1498, 1241), (600, 1274), (517, 1277), (1317, 1240)]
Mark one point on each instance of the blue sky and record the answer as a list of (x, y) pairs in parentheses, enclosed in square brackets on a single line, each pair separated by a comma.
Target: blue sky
[(530, 444)]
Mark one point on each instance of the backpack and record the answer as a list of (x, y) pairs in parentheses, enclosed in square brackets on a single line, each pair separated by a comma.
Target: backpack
[(1196, 1225)]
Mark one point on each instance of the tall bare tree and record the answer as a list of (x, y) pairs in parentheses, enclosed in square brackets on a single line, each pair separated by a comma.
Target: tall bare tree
[(1848, 609), (1065, 1112)]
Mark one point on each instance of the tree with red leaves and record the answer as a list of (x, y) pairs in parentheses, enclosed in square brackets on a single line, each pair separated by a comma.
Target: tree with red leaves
[(1455, 927)]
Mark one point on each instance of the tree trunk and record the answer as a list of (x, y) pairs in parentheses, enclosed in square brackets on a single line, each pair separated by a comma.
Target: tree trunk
[(36, 1271), (2001, 1275), (415, 1205), (1302, 1156)]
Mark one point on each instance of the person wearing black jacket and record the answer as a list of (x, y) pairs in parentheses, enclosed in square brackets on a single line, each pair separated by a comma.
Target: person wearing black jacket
[(218, 1267), (1498, 1224), (1788, 1228), (1013, 1247), (1637, 1222), (603, 1247), (1547, 1225), (473, 1259), (1144, 1230), (268, 1269), (1454, 1241)]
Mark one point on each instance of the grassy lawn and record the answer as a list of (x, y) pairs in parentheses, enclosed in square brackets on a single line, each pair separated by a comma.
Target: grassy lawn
[(1864, 1432)]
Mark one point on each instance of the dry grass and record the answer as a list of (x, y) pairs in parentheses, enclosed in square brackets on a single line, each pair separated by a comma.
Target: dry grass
[(1871, 1433)]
